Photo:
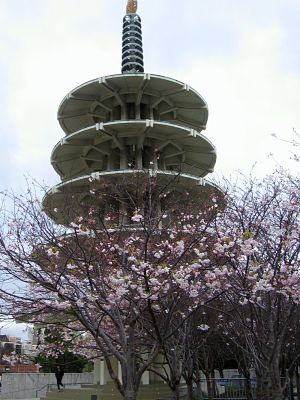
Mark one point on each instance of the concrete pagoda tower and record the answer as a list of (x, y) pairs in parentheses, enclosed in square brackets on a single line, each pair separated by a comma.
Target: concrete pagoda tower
[(124, 127), (131, 123)]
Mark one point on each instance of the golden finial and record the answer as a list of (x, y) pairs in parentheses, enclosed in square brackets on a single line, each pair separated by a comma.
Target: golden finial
[(131, 7)]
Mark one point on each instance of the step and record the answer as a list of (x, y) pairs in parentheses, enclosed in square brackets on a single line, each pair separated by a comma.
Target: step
[(84, 394), (109, 392), (70, 393), (108, 397), (85, 397), (158, 388)]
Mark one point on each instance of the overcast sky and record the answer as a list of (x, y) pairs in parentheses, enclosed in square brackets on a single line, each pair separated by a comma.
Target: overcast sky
[(242, 56)]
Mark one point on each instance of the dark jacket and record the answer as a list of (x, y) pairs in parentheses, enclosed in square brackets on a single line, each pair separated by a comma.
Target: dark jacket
[(59, 373)]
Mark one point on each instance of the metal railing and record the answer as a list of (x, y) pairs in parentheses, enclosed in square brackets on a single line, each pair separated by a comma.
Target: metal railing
[(230, 388), (14, 394), (225, 388), (38, 392), (48, 387), (233, 389)]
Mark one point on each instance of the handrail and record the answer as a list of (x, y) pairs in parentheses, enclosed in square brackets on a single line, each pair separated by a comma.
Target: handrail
[(42, 388), (16, 391)]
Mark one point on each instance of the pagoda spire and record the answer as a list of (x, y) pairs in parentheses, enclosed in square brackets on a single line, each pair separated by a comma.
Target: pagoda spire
[(131, 7), (132, 45)]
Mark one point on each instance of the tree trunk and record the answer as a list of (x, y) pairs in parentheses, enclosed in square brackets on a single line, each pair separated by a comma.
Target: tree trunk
[(190, 390), (209, 385), (198, 381), (262, 389), (276, 389), (129, 378), (176, 393), (221, 373), (248, 388), (245, 371), (129, 394), (290, 387), (214, 386), (298, 382), (199, 390)]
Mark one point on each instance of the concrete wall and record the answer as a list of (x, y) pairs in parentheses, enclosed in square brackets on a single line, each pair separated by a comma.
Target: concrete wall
[(26, 385)]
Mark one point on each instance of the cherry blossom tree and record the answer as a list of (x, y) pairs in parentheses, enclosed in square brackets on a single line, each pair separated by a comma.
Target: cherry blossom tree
[(113, 290), (259, 235)]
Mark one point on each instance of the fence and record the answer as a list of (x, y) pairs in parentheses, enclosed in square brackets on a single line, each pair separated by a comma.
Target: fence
[(234, 389), (229, 388), (31, 385)]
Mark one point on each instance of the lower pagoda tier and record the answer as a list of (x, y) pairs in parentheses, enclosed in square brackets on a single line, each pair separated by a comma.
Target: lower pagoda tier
[(119, 193)]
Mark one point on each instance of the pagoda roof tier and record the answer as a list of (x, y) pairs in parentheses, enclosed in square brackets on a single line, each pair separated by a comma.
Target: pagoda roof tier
[(98, 148), (71, 198), (106, 99)]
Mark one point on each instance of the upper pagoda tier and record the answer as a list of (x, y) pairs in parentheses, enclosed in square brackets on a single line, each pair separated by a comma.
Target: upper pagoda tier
[(132, 97)]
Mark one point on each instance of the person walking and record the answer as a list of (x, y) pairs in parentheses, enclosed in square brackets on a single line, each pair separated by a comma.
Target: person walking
[(59, 373)]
